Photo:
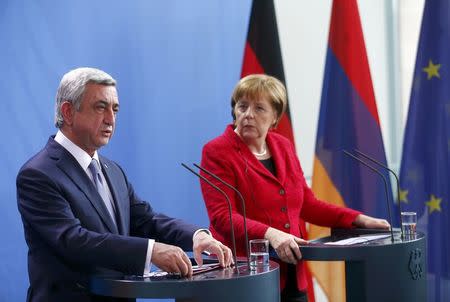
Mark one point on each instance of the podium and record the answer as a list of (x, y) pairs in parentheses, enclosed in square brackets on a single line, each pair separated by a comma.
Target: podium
[(221, 285), (379, 270)]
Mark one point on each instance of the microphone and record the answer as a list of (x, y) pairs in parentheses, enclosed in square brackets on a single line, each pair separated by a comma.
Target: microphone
[(242, 204), (385, 186), (396, 180), (233, 240)]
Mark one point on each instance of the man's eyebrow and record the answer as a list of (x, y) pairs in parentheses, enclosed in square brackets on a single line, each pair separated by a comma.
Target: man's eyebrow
[(106, 103)]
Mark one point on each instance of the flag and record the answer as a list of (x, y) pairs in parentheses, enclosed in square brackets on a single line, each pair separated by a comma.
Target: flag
[(425, 169), (262, 54), (348, 120)]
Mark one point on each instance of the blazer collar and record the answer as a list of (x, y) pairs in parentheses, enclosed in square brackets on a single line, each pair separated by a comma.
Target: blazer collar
[(69, 165), (278, 154)]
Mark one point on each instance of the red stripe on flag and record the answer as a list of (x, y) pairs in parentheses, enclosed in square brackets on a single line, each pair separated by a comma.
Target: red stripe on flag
[(251, 63), (284, 128), (352, 54)]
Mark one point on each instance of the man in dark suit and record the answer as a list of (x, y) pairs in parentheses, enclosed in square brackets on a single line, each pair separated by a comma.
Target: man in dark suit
[(81, 216)]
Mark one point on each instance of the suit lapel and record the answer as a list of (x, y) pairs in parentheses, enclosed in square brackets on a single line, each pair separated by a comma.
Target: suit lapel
[(256, 165), (279, 157), (69, 165)]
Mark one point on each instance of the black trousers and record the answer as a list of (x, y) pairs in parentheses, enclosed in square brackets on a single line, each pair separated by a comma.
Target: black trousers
[(290, 293)]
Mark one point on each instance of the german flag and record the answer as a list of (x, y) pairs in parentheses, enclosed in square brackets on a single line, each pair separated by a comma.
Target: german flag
[(263, 54)]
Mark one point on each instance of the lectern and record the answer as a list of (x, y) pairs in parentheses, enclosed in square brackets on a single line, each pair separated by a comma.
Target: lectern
[(379, 270), (221, 285)]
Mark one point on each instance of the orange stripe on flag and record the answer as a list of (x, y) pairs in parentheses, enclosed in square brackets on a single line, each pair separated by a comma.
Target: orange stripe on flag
[(322, 185), (329, 274)]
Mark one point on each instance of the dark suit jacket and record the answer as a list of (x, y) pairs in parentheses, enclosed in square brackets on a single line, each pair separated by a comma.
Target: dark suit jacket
[(69, 232), (283, 201)]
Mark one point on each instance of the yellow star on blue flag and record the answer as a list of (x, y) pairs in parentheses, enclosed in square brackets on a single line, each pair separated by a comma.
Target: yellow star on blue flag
[(432, 70), (434, 204), (403, 195)]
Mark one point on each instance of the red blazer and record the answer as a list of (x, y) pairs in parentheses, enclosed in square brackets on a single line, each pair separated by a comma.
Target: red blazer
[(282, 201)]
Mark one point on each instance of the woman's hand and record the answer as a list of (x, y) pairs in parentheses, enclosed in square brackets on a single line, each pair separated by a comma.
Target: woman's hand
[(285, 245), (367, 222)]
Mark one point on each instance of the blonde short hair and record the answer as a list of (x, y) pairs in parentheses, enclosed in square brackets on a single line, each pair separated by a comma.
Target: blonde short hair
[(257, 86)]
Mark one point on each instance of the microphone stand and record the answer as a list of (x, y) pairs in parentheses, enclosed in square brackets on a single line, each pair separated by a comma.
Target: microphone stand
[(396, 180), (385, 186), (229, 211), (243, 208)]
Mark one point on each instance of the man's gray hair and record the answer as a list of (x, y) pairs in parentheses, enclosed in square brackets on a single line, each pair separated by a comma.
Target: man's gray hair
[(72, 87)]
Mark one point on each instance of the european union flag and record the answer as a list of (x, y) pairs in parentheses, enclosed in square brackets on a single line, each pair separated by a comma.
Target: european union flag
[(425, 170)]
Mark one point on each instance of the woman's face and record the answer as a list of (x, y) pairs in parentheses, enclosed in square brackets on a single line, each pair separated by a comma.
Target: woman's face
[(254, 118)]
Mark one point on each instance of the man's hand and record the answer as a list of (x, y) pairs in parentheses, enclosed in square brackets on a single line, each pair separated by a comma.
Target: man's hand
[(205, 242), (286, 245), (367, 222), (172, 259)]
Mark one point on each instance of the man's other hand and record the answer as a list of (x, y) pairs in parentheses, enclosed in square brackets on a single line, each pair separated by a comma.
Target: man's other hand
[(205, 242)]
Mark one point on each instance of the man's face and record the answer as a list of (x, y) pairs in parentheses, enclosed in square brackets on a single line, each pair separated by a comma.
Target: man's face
[(92, 126)]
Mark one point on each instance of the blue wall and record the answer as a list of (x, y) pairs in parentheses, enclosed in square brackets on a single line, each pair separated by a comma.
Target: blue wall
[(176, 63)]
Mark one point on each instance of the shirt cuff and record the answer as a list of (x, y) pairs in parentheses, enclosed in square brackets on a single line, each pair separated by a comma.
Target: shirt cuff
[(148, 259), (201, 230)]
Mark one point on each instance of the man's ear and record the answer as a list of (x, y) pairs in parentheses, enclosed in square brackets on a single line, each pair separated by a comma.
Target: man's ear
[(67, 111)]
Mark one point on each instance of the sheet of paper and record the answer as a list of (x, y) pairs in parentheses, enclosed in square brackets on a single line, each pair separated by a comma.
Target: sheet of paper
[(195, 268), (204, 268), (358, 239)]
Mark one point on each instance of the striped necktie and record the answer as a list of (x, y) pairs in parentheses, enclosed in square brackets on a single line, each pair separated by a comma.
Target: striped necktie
[(94, 167)]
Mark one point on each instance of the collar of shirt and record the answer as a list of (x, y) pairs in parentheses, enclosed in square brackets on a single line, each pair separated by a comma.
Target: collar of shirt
[(80, 155)]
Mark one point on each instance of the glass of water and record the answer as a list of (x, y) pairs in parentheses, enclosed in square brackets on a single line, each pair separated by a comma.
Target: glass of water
[(259, 254), (409, 222)]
